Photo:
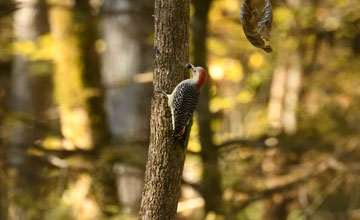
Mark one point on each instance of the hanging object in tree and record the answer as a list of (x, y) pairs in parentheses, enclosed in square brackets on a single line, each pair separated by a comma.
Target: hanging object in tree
[(257, 28)]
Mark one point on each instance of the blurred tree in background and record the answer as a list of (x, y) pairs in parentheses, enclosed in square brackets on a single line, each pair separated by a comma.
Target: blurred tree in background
[(275, 136)]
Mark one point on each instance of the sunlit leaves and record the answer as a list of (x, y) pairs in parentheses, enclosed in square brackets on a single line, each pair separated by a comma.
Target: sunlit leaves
[(216, 72), (256, 60), (42, 49), (226, 68), (245, 97), (221, 103), (283, 17)]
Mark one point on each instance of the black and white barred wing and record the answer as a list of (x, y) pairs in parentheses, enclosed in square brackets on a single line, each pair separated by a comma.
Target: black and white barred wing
[(252, 23), (184, 106), (265, 24)]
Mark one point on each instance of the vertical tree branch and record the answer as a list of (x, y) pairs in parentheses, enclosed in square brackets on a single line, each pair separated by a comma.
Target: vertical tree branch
[(166, 156), (211, 178)]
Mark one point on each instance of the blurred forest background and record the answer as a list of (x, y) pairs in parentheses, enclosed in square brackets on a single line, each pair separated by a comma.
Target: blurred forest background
[(275, 137)]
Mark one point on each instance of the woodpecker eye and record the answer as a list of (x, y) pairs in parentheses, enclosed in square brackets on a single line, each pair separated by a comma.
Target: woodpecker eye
[(189, 66)]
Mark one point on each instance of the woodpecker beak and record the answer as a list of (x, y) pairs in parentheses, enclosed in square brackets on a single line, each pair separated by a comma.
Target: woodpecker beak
[(191, 67)]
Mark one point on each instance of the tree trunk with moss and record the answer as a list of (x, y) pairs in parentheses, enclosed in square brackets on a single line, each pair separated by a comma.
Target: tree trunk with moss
[(77, 75), (211, 178), (166, 156)]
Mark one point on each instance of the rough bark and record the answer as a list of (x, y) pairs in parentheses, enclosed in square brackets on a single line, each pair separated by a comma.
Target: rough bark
[(211, 178), (166, 156)]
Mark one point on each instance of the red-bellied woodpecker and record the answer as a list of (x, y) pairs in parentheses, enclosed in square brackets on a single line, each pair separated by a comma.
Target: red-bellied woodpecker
[(184, 99)]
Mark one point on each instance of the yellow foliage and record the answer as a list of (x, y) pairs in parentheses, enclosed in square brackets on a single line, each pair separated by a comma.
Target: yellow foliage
[(256, 60), (218, 47), (24, 47), (215, 125), (41, 49), (234, 72), (232, 69), (291, 43), (194, 146), (100, 46), (283, 17), (52, 143), (245, 97), (35, 152), (216, 72), (218, 103)]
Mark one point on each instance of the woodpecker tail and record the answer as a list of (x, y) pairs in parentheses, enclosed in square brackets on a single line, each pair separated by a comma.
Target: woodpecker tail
[(183, 137)]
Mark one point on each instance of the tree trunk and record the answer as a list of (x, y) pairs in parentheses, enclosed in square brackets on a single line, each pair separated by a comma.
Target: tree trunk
[(211, 178), (30, 99), (166, 156), (127, 101), (77, 75), (125, 28)]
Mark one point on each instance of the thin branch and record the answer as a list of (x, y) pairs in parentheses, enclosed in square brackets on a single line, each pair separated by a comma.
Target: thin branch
[(244, 142)]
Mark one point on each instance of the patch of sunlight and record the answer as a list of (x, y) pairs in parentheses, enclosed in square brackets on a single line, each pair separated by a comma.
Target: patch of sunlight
[(232, 5), (192, 168), (112, 209), (194, 128), (75, 127), (217, 47), (235, 72), (291, 43), (283, 17), (253, 211), (216, 12), (256, 60), (192, 10), (215, 125), (213, 216), (35, 152), (216, 72), (190, 204), (229, 68), (100, 46), (41, 49), (213, 90), (24, 47), (52, 143), (77, 197), (332, 23), (255, 80), (218, 103), (342, 3), (296, 215), (194, 146), (46, 48), (245, 97)]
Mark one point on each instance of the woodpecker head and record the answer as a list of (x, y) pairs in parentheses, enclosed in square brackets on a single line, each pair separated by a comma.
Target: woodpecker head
[(199, 74)]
